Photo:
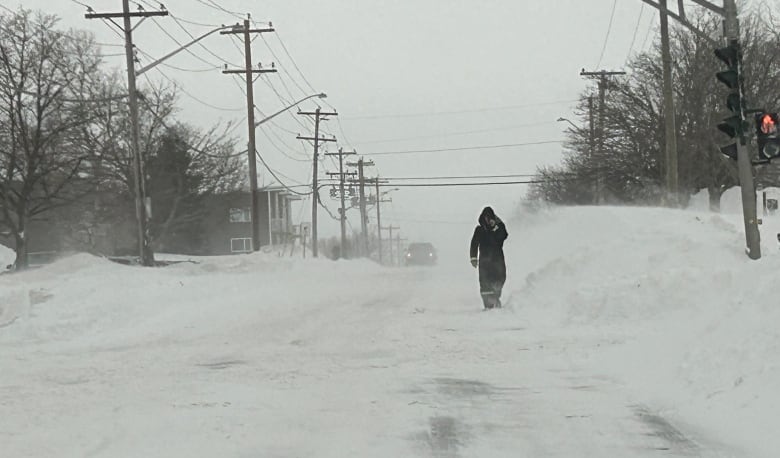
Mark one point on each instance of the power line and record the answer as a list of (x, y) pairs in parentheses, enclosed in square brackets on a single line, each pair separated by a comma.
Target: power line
[(217, 7), (609, 29), (436, 185), (475, 110), (277, 178), (189, 70), (192, 96), (297, 183), (181, 45), (647, 34), (636, 29), (284, 69), (293, 62), (450, 134), (79, 3), (475, 177), (176, 20), (149, 4), (467, 148), (166, 126)]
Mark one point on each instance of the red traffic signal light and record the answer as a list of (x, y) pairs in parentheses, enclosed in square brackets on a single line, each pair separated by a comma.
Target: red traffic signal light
[(767, 135), (767, 123)]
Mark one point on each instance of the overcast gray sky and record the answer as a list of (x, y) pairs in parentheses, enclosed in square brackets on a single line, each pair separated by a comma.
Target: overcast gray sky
[(403, 76)]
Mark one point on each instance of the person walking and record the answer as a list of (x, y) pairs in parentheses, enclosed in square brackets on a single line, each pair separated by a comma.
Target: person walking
[(487, 253)]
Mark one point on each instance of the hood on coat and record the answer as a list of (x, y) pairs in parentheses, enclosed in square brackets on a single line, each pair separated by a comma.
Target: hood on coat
[(487, 213)]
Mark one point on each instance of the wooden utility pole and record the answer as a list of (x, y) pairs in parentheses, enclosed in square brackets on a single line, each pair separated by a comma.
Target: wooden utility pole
[(670, 128), (398, 241), (378, 203), (248, 71), (390, 240), (143, 207), (600, 157), (592, 148), (315, 195), (361, 164), (342, 209)]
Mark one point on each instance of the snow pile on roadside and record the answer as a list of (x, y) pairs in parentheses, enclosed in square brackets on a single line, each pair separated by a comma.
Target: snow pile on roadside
[(6, 257), (694, 316)]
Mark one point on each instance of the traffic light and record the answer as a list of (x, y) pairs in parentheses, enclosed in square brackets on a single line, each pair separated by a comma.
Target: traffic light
[(767, 135), (733, 125)]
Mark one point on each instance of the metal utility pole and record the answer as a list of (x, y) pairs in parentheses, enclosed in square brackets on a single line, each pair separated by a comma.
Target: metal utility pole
[(342, 209), (315, 197), (603, 81), (744, 164), (142, 205), (248, 71), (670, 125)]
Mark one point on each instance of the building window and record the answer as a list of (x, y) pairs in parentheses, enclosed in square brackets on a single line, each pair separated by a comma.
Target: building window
[(241, 245), (240, 215)]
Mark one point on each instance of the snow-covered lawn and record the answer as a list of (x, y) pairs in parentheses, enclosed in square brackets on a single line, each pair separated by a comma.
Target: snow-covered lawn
[(626, 332)]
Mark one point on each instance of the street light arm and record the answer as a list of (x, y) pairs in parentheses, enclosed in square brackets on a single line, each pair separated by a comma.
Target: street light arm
[(176, 51), (321, 95), (572, 124)]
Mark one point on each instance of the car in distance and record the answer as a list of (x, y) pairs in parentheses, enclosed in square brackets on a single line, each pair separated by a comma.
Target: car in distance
[(420, 254)]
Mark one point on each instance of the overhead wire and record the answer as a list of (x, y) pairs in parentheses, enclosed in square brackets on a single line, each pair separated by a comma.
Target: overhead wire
[(450, 134), (176, 20), (284, 69), (279, 38), (647, 33), (636, 29), (174, 67), (474, 110), (609, 30), (166, 126), (432, 185), (461, 177), (467, 148), (202, 102), (217, 7), (189, 51), (281, 183), (241, 88)]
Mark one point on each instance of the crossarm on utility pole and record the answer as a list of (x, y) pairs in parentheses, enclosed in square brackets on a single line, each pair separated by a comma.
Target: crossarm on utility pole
[(683, 21), (710, 6)]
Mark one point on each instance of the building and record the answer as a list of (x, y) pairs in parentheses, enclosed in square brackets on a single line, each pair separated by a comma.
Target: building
[(227, 221), (224, 226)]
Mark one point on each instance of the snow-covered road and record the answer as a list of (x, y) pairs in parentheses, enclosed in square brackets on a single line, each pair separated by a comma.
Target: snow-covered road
[(254, 356)]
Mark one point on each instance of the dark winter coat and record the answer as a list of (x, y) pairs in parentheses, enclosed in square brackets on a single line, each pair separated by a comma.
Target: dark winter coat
[(488, 243)]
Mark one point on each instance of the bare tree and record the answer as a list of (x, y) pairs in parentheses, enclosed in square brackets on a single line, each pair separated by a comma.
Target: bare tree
[(42, 75), (633, 158)]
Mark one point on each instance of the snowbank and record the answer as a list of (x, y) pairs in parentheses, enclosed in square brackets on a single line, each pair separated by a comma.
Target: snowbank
[(613, 313), (692, 313)]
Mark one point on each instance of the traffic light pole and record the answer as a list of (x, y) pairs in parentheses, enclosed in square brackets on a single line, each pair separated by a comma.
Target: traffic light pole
[(745, 167), (744, 163)]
